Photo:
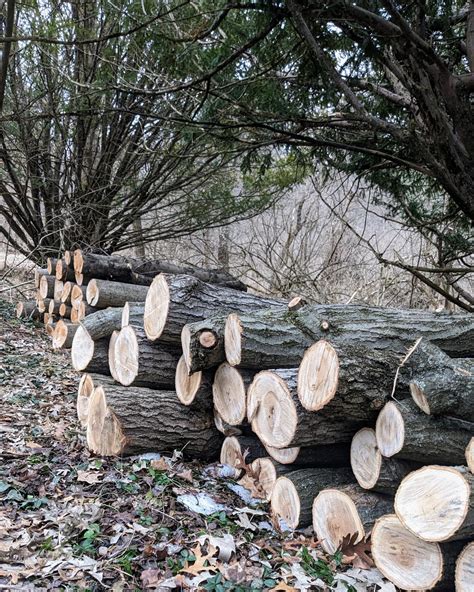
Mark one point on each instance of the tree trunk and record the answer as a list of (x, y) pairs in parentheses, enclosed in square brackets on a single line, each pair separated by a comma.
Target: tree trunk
[(194, 389), (124, 269), (439, 384), (54, 306), (63, 335), (102, 293), (140, 362), (293, 494), (203, 343), (278, 338), (437, 503), (403, 431), (345, 511), (174, 301), (28, 310), (279, 420), (229, 392), (46, 288), (465, 569), (132, 314), (371, 469), (133, 420), (65, 311)]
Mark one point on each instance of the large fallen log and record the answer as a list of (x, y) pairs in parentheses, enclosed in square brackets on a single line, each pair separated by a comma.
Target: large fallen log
[(63, 334), (402, 430), (441, 385), (371, 469), (194, 389), (102, 293), (141, 362), (278, 338), (229, 392), (293, 494), (175, 300), (409, 562), (347, 511), (279, 420), (98, 363), (132, 314), (128, 270), (465, 569), (437, 503), (46, 287), (125, 420)]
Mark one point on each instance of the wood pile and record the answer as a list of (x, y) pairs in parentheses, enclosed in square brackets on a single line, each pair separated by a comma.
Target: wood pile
[(352, 419)]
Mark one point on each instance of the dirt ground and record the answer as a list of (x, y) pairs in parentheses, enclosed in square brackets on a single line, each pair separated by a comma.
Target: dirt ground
[(73, 521)]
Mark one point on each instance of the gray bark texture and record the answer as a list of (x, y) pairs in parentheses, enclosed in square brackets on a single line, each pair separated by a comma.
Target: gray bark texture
[(103, 323), (392, 471), (99, 363), (28, 310), (200, 357), (117, 294), (370, 505)]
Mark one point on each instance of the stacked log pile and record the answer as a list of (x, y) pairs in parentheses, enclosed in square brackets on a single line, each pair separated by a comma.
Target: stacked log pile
[(351, 419)]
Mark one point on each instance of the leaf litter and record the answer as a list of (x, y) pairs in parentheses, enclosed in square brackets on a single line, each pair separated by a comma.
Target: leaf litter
[(73, 521)]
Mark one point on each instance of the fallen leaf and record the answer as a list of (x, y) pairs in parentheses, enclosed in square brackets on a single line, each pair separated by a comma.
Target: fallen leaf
[(283, 586), (160, 464), (225, 544), (356, 552), (88, 476), (199, 564)]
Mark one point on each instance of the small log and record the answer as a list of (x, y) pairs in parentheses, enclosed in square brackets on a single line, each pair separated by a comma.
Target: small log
[(54, 306), (236, 449), (293, 494), (371, 469), (465, 569), (132, 314), (51, 265), (65, 310), (102, 293), (261, 476), (402, 430), (46, 288), (58, 289), (406, 560), (470, 455), (143, 363), (174, 301), (345, 511), (78, 294), (278, 338), (68, 255), (39, 272), (28, 310), (195, 388), (203, 343), (437, 503), (63, 271), (125, 420), (111, 355), (81, 279), (225, 428), (49, 328), (86, 387), (98, 363), (441, 385), (96, 326), (43, 305), (63, 334), (66, 292), (83, 311), (279, 420), (229, 392)]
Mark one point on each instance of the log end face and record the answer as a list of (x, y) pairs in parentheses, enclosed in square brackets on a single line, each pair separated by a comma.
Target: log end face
[(78, 261), (186, 345), (465, 569), (126, 356), (92, 293), (433, 502), (111, 355), (82, 350), (470, 455), (43, 287), (60, 269), (84, 392), (60, 334), (366, 459), (49, 265), (229, 394), (262, 476), (77, 296), (233, 339), (285, 504), (104, 433), (407, 561), (318, 375), (390, 430), (187, 385), (419, 397), (284, 456), (231, 455), (125, 321), (156, 307)]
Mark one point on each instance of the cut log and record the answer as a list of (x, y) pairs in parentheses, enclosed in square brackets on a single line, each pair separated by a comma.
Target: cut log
[(28, 310), (441, 385), (66, 292), (174, 301), (54, 306), (293, 494), (86, 387), (68, 258), (407, 561), (97, 363), (58, 289), (470, 455), (49, 328), (81, 279), (373, 471), (195, 388), (111, 355), (39, 272), (43, 305), (238, 449), (47, 318), (51, 265), (65, 310), (437, 503), (229, 391), (126, 269), (63, 334), (83, 311), (142, 363), (261, 476), (278, 338), (203, 343), (402, 430), (465, 569), (46, 288), (102, 293), (279, 420), (96, 326), (78, 295), (348, 510), (63, 271), (225, 428), (133, 420), (331, 455), (132, 314)]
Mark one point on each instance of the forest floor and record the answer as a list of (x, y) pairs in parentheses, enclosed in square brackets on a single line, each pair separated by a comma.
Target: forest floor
[(73, 521)]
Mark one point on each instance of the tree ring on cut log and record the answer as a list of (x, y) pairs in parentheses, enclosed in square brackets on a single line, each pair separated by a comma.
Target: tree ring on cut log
[(186, 385), (284, 456), (60, 272), (335, 516), (84, 392), (419, 397), (285, 504), (67, 257), (49, 265), (271, 410), (104, 433), (78, 261), (126, 356), (82, 350), (60, 335), (470, 455), (229, 394), (156, 307), (366, 459), (111, 355), (233, 339), (318, 375), (92, 293), (433, 502), (390, 430), (77, 296), (231, 455), (67, 287), (465, 569), (407, 561), (125, 320)]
